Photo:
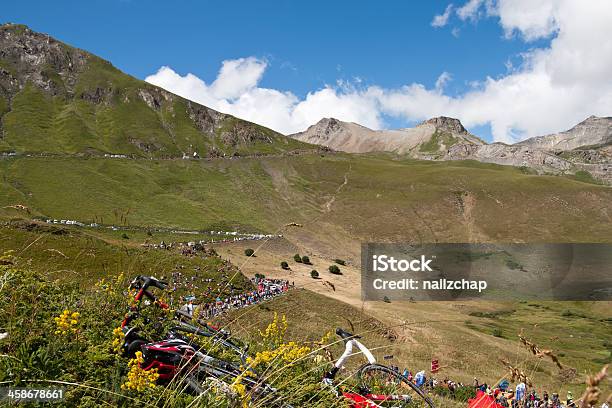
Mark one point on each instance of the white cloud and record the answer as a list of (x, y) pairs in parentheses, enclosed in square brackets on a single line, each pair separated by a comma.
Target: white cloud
[(235, 91), (552, 89), (238, 77), (441, 20), (532, 18), (442, 80), (469, 11)]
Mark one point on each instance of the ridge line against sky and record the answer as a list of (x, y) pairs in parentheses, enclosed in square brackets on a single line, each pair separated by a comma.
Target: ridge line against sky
[(553, 87), (508, 69)]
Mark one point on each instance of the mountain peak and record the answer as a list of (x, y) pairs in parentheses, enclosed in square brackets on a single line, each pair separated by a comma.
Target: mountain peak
[(55, 98), (327, 126), (600, 120), (430, 138), (10, 30), (328, 122), (31, 57), (445, 123)]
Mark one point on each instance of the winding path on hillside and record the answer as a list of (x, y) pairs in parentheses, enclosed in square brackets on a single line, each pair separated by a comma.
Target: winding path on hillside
[(330, 202)]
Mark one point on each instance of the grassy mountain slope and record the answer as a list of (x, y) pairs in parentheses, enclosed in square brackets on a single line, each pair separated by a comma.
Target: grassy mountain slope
[(356, 198), (80, 257), (409, 334), (58, 99)]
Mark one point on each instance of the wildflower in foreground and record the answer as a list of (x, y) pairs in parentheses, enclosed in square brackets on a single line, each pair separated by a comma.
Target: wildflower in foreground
[(287, 353), (110, 285), (275, 332), (118, 336), (137, 378), (67, 322)]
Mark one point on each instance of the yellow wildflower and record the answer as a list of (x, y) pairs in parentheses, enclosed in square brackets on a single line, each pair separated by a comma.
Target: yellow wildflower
[(67, 322), (275, 331), (288, 353), (118, 336), (137, 378)]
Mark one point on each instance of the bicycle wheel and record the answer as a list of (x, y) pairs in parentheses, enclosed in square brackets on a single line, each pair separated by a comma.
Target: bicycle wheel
[(388, 388)]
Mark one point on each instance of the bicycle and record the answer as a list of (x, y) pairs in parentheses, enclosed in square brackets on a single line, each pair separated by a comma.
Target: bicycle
[(378, 385), (184, 321), (176, 357)]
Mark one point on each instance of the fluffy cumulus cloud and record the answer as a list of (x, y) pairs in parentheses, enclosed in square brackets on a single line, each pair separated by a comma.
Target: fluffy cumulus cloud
[(554, 87), (236, 91)]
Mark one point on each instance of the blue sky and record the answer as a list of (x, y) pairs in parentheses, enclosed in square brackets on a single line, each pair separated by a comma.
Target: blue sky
[(305, 46)]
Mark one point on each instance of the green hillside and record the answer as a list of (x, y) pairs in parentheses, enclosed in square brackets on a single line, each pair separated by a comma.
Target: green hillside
[(61, 100), (356, 198)]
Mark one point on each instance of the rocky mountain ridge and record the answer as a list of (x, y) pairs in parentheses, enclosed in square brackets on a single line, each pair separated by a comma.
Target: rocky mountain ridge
[(584, 149), (430, 137), (587, 147), (593, 132), (58, 99)]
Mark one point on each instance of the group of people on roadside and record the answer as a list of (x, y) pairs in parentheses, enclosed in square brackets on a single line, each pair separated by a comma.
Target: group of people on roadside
[(522, 397), (266, 289), (501, 394)]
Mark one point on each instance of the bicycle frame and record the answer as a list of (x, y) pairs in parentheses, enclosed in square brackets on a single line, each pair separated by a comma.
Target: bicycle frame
[(142, 283)]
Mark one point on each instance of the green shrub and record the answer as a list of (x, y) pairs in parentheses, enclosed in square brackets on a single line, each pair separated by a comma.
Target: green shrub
[(497, 332), (496, 314), (125, 236), (284, 265), (513, 265), (340, 261), (297, 258), (465, 393), (314, 274), (249, 252), (306, 260), (335, 270)]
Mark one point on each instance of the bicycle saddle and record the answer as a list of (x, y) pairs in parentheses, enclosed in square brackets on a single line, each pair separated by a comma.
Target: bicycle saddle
[(346, 335)]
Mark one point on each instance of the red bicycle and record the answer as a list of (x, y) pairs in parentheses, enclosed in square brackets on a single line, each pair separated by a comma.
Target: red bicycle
[(177, 356), (378, 385)]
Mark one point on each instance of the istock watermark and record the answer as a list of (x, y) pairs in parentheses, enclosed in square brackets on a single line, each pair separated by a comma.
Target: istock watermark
[(383, 263), (486, 271)]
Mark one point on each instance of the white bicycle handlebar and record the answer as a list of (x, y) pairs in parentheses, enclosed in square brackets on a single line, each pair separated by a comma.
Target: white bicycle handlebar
[(348, 352)]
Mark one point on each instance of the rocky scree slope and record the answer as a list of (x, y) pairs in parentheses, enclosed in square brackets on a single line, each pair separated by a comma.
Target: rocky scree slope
[(587, 147), (429, 139)]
